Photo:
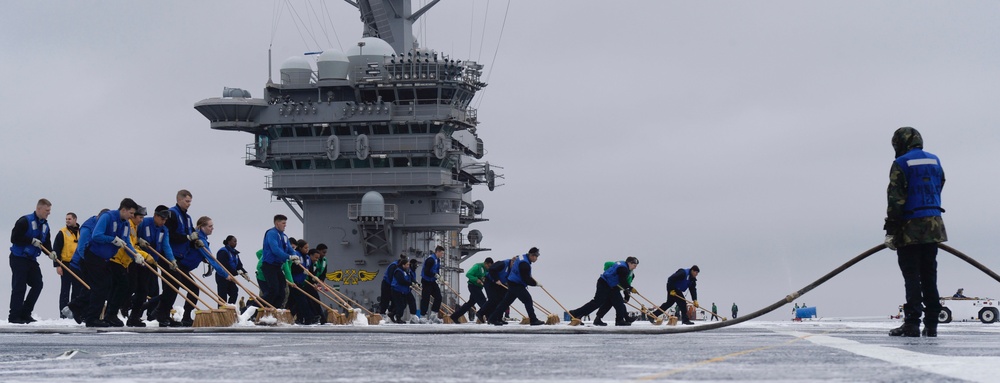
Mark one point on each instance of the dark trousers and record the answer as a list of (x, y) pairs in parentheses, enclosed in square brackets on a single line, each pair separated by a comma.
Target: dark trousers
[(385, 296), (138, 278), (169, 296), (429, 289), (494, 295), (476, 297), (25, 273), (68, 287), (228, 290), (81, 297), (681, 307), (99, 278), (120, 289), (604, 296), (400, 301), (918, 263), (302, 308), (519, 292), (274, 284)]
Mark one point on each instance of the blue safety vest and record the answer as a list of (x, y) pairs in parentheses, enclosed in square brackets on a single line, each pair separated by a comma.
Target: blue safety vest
[(610, 274), (157, 236), (515, 270), (504, 266), (37, 228), (682, 286), (114, 226), (85, 231), (408, 277), (924, 178), (184, 227), (390, 272), (429, 274)]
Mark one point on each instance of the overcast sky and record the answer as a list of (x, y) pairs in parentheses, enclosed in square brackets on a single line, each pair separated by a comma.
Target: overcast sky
[(749, 138)]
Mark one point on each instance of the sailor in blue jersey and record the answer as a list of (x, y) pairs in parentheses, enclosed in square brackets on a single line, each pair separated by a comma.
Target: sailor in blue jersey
[(386, 295), (611, 281), (229, 257), (496, 280), (30, 234), (110, 234), (181, 235), (679, 282), (517, 288), (81, 298), (277, 250), (200, 252), (304, 309), (401, 280), (429, 286), (411, 301), (152, 237)]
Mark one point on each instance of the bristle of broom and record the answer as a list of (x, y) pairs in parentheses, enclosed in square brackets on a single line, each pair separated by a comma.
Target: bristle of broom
[(284, 316), (446, 319), (202, 319), (226, 316), (659, 321), (332, 317), (463, 319), (374, 319), (352, 316), (525, 321), (575, 322), (553, 319)]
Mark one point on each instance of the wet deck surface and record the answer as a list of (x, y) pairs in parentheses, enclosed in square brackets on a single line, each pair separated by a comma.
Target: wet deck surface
[(753, 351)]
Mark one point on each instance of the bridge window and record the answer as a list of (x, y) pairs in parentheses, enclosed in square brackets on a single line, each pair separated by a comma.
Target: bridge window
[(380, 129), (400, 162), (361, 164), (342, 163), (324, 164), (303, 164)]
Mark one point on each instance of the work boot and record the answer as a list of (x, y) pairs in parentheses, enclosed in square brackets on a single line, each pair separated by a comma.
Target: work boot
[(186, 321), (454, 319), (536, 322), (930, 328), (498, 322), (114, 322), (97, 323), (27, 319), (688, 322), (66, 313), (907, 330), (599, 322), (135, 322), (168, 322), (623, 323)]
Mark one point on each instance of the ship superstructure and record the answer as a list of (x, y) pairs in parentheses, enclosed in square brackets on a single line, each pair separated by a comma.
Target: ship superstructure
[(375, 150)]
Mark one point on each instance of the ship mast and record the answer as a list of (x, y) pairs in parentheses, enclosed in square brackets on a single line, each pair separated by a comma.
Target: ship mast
[(390, 20)]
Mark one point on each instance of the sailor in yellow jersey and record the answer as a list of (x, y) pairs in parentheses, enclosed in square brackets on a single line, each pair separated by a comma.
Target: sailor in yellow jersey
[(65, 245)]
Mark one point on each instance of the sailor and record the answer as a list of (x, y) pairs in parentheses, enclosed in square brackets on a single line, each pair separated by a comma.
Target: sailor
[(276, 252), (29, 236), (65, 245), (318, 270), (606, 306), (914, 227), (125, 275), (198, 253), (386, 288), (181, 235), (429, 286), (959, 294), (402, 296), (111, 233), (154, 238), (611, 281), (320, 263), (519, 279), (735, 310), (677, 284), (411, 301), (477, 279), (303, 308), (229, 257), (496, 287), (79, 300)]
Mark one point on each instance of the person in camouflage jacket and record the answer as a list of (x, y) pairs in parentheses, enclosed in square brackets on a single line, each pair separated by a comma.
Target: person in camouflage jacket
[(914, 228)]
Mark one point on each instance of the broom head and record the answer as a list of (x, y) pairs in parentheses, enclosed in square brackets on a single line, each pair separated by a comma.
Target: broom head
[(672, 321), (204, 318), (374, 319), (552, 319), (525, 321), (575, 322)]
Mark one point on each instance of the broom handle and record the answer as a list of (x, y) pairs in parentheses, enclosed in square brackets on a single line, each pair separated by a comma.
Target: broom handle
[(537, 305), (349, 299), (557, 302), (453, 291), (647, 299), (332, 297), (643, 310), (188, 277), (211, 293), (168, 283), (310, 296), (701, 308), (448, 310), (59, 262), (237, 282)]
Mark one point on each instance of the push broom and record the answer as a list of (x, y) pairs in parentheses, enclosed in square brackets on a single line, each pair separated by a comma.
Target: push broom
[(211, 318), (550, 318), (373, 318), (462, 319), (281, 315), (328, 308), (574, 321), (709, 312)]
